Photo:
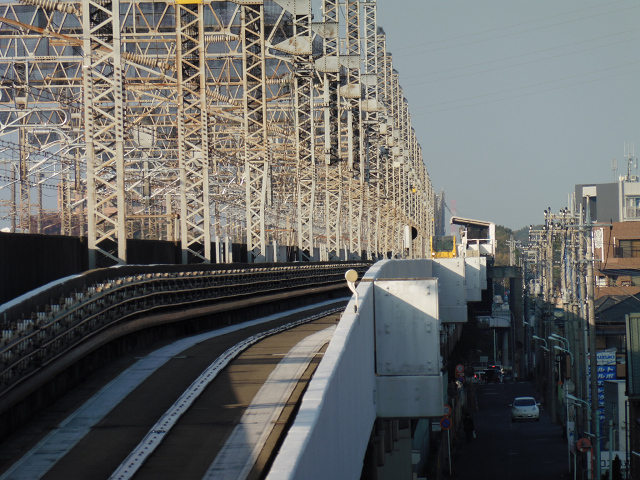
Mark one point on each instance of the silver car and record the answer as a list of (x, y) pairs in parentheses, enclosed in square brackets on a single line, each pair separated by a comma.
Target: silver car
[(525, 408)]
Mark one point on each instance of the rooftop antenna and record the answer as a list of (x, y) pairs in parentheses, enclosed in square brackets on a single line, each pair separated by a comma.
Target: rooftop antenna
[(614, 167), (632, 162)]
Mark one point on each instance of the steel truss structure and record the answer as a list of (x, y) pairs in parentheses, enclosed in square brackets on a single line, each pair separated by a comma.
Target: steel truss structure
[(193, 120)]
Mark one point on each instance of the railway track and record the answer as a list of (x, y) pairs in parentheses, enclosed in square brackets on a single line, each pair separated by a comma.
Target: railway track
[(203, 386)]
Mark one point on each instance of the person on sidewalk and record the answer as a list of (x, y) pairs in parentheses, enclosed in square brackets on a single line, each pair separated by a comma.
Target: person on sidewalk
[(469, 428)]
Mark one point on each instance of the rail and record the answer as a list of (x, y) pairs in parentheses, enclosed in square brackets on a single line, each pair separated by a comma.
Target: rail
[(30, 344)]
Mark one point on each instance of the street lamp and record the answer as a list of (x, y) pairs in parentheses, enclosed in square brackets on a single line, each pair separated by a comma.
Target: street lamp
[(555, 336), (542, 340), (576, 399), (566, 351)]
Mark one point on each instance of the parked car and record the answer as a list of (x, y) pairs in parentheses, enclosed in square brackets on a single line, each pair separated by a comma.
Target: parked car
[(492, 375), (525, 408), (478, 377), (498, 367)]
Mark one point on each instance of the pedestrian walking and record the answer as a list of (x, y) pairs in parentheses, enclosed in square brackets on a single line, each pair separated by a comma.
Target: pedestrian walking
[(469, 428)]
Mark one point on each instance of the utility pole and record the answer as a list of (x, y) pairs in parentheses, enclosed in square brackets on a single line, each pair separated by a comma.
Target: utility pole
[(512, 256), (566, 316), (593, 360), (526, 307), (575, 315), (549, 307), (577, 288), (536, 239)]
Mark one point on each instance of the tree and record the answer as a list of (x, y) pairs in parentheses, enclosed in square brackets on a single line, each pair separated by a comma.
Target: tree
[(502, 247)]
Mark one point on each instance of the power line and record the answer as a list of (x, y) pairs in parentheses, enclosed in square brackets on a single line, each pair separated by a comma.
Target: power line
[(525, 87), (508, 34), (516, 57), (29, 183)]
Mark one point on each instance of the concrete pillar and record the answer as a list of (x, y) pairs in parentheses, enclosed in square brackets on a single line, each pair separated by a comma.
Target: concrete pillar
[(506, 348)]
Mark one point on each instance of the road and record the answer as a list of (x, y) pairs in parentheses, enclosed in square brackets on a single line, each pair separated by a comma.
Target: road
[(506, 450)]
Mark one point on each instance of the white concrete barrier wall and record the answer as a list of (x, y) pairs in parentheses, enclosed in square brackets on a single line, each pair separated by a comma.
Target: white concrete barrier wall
[(329, 436), (421, 268)]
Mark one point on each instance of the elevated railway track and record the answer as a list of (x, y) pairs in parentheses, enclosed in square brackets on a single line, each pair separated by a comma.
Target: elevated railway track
[(212, 405), (351, 398), (43, 353), (202, 125)]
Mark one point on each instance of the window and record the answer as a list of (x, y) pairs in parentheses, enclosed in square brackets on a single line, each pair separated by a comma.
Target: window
[(443, 244), (628, 249), (601, 281), (632, 207)]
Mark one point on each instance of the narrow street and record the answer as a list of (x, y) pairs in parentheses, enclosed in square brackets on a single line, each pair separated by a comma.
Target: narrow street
[(506, 450)]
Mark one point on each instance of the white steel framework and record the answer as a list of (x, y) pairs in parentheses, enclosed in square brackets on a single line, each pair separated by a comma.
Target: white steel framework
[(104, 130), (192, 122), (193, 135)]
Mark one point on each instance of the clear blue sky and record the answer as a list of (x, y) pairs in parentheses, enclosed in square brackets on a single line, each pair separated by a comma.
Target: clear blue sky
[(514, 102)]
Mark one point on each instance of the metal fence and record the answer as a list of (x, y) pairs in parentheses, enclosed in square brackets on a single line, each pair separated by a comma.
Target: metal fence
[(29, 344)]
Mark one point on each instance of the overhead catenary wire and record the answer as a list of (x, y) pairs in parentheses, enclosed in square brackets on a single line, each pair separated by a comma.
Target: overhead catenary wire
[(517, 64), (401, 48), (520, 88)]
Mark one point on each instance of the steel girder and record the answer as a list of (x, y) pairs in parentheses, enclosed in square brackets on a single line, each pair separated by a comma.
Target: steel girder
[(193, 135), (371, 130), (301, 47), (385, 129), (239, 124), (104, 130), (333, 166), (256, 154), (352, 92)]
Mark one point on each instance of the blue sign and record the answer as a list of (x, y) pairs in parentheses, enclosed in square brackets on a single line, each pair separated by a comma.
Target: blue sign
[(606, 370), (445, 423)]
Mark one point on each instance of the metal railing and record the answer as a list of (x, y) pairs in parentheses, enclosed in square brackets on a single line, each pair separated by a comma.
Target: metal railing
[(30, 344)]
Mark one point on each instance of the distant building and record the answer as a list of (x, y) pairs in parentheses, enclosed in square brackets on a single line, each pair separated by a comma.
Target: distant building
[(617, 242), (477, 237), (611, 202), (617, 259)]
